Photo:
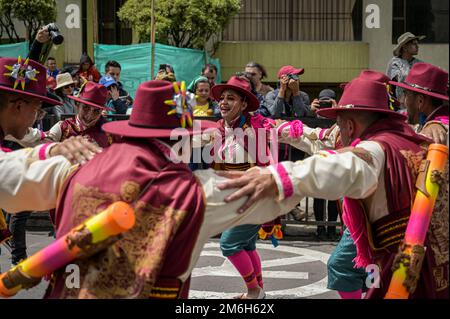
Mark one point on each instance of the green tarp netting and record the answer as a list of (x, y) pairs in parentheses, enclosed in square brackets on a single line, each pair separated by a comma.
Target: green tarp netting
[(14, 50), (135, 60)]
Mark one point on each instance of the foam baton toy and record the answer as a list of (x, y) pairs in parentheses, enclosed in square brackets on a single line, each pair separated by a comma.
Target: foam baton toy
[(408, 262), (86, 239)]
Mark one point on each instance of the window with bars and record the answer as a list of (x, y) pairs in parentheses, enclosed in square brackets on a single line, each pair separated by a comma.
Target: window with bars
[(421, 17), (297, 20)]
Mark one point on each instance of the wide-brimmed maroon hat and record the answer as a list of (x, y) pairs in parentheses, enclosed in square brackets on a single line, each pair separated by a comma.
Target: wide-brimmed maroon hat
[(240, 85), (92, 94), (362, 95), (25, 77), (149, 117), (289, 69), (372, 75), (427, 79)]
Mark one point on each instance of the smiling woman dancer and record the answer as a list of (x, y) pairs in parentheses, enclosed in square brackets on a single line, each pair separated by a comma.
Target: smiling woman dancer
[(238, 244)]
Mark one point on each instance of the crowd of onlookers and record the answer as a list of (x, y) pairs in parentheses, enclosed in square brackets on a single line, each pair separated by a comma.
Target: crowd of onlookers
[(287, 99)]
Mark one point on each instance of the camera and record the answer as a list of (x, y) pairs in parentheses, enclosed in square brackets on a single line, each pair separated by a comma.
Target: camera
[(294, 77), (55, 35), (325, 104)]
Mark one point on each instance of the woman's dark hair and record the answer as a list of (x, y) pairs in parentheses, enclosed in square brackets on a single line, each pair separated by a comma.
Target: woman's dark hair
[(209, 66), (59, 93), (112, 63), (85, 58), (259, 67)]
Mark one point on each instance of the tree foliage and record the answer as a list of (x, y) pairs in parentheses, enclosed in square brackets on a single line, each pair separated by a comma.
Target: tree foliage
[(32, 13), (182, 23)]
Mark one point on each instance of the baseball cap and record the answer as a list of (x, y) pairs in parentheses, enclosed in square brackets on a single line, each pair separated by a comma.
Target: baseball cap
[(107, 81), (327, 94), (289, 69)]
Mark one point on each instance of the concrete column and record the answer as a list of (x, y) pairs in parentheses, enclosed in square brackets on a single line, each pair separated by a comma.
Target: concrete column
[(380, 40)]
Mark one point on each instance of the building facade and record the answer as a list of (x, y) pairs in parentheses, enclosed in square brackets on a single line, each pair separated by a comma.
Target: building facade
[(332, 39)]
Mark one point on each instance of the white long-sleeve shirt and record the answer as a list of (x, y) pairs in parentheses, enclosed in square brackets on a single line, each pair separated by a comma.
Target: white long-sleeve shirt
[(32, 184), (332, 176), (312, 140), (30, 180)]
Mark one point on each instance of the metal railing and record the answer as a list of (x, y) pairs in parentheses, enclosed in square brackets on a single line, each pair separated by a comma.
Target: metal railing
[(50, 120)]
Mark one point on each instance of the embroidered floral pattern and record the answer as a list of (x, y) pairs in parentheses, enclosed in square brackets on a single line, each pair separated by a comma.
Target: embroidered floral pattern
[(129, 191), (131, 265), (413, 160), (438, 232)]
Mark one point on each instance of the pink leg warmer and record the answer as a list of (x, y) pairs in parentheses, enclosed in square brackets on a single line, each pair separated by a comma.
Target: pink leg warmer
[(256, 261), (242, 262)]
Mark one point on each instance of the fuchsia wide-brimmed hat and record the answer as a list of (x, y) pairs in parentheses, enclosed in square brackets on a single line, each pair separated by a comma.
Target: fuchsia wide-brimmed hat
[(427, 79), (240, 85), (92, 94), (149, 117), (24, 77), (363, 94), (372, 75)]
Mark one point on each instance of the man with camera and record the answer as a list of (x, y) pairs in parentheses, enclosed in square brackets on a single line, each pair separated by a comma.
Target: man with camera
[(326, 99), (287, 100)]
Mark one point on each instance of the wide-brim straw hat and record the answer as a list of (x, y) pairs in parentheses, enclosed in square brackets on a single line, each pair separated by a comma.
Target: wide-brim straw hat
[(63, 79), (405, 38)]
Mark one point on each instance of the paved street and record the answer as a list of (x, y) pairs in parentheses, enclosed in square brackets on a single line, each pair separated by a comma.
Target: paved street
[(295, 269)]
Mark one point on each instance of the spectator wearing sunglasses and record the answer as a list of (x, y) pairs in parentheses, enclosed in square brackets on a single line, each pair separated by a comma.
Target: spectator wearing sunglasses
[(64, 87), (256, 72)]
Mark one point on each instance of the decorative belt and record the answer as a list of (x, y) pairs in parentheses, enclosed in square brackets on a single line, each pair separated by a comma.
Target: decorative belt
[(389, 230), (231, 167), (165, 288)]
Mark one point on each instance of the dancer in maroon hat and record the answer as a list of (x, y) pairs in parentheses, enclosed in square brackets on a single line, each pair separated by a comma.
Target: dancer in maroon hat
[(238, 244), (26, 175), (426, 98), (90, 103), (176, 210), (374, 172), (426, 89), (348, 280)]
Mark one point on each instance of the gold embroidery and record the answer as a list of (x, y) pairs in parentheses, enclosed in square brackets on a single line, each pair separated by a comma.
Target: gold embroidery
[(413, 160), (358, 151), (391, 238), (438, 275), (438, 232), (129, 191), (131, 265), (395, 221), (392, 228)]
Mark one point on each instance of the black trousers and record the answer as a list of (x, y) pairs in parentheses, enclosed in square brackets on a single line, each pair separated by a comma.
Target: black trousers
[(319, 212), (17, 224)]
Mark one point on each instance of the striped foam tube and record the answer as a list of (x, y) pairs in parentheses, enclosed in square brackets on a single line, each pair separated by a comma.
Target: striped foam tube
[(419, 220), (80, 241)]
